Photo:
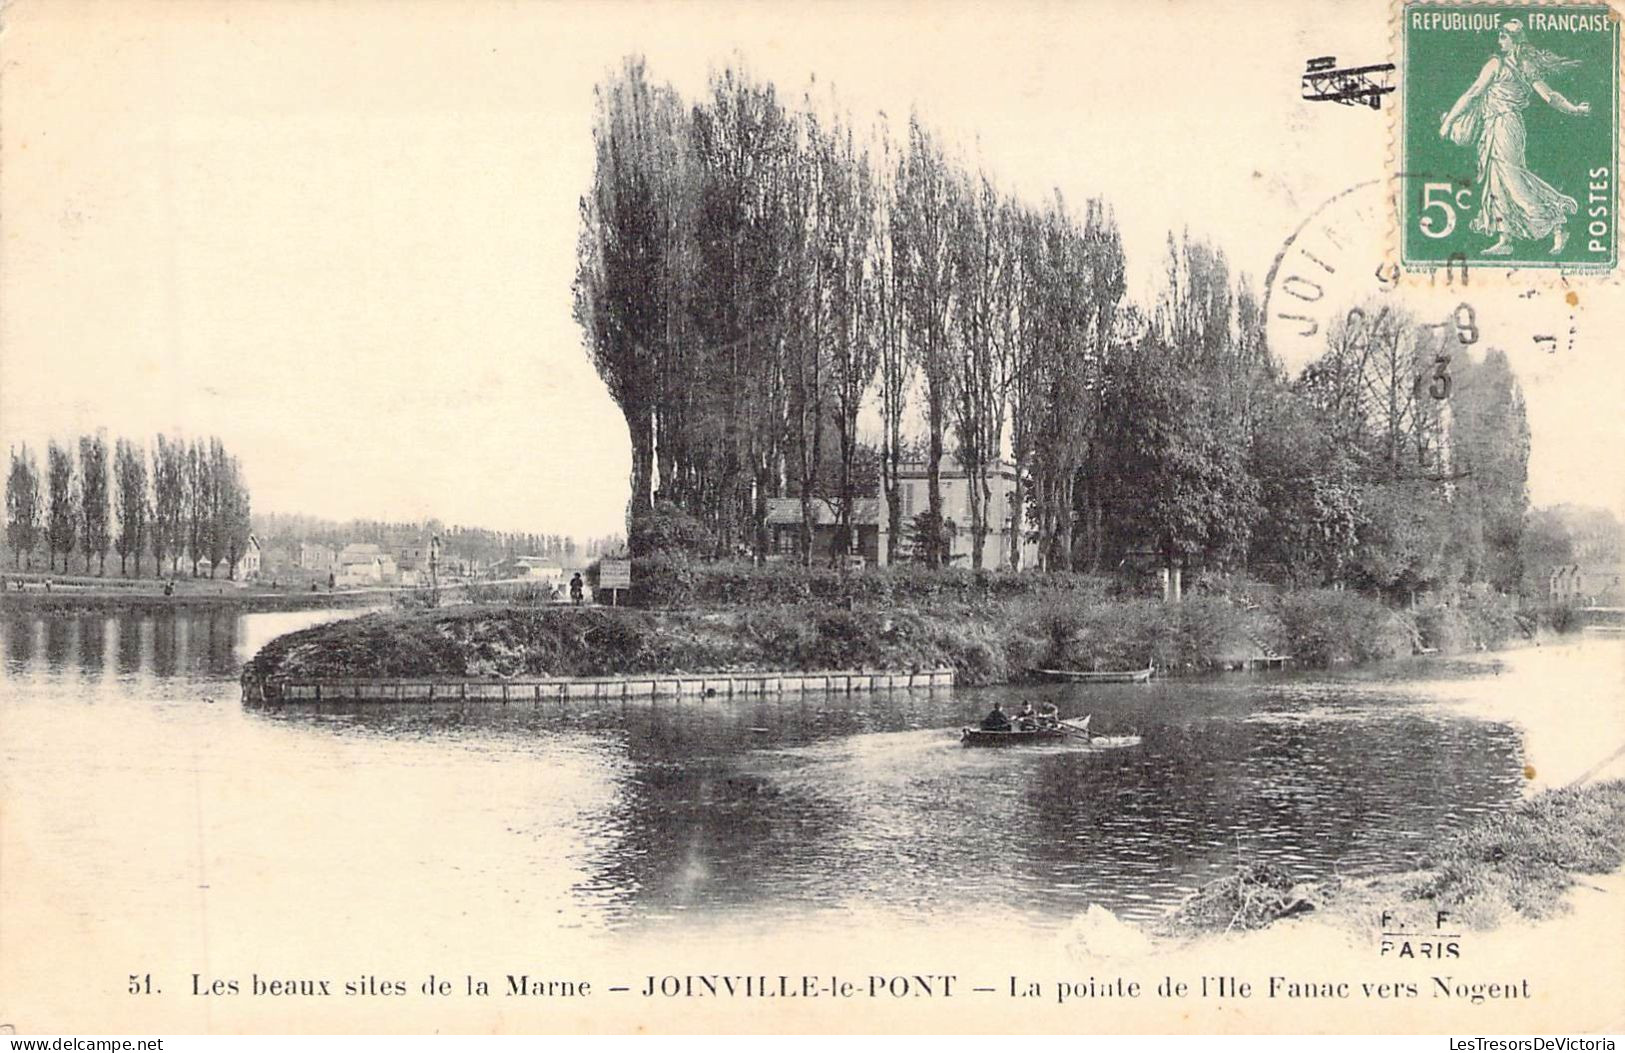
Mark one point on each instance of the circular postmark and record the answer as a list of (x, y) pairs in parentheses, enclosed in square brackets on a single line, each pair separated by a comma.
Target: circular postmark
[(1337, 269)]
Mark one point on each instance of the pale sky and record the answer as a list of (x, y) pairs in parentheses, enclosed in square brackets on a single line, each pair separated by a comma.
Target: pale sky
[(342, 236)]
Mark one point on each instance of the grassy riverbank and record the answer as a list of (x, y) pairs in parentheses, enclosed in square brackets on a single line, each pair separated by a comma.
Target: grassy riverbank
[(74, 595), (1517, 863), (989, 628)]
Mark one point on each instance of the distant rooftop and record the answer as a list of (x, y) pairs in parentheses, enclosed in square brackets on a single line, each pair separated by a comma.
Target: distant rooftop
[(785, 511), (951, 468)]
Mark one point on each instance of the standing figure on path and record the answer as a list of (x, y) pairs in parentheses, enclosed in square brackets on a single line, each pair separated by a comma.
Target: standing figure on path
[(1513, 201), (575, 588)]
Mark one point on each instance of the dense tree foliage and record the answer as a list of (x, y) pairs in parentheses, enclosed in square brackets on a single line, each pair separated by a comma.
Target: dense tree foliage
[(752, 276)]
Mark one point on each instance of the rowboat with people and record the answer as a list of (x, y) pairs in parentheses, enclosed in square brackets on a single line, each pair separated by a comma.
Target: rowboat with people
[(1014, 737), (1044, 729)]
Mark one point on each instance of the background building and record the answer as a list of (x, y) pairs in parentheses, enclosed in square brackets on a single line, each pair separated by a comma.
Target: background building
[(955, 484), (784, 527)]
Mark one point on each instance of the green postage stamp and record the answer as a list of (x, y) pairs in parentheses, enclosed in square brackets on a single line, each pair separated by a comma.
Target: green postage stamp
[(1510, 138)]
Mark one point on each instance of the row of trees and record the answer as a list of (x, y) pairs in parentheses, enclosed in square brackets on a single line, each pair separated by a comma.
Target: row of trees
[(458, 544), (186, 503), (751, 275)]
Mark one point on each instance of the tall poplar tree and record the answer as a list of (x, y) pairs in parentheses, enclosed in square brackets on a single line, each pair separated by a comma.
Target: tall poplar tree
[(238, 516), (130, 502), (220, 504), (894, 365), (810, 199), (854, 343), (95, 518), (63, 519), (23, 507), (622, 259), (168, 502), (926, 209), (979, 377), (198, 498)]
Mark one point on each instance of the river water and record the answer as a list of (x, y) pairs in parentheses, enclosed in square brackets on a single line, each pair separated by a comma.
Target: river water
[(137, 785)]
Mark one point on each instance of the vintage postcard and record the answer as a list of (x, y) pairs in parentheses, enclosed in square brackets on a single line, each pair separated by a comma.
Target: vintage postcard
[(1090, 517)]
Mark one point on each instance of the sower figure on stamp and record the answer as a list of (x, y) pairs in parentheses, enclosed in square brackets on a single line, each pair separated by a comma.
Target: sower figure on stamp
[(1514, 202)]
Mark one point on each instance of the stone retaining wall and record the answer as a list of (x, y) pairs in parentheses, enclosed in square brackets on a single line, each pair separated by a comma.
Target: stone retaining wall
[(710, 685)]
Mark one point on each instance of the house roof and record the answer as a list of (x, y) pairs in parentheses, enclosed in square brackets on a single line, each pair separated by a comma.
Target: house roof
[(950, 469), (350, 559), (786, 511)]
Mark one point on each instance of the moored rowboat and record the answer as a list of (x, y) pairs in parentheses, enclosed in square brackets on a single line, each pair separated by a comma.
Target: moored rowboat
[(1079, 676)]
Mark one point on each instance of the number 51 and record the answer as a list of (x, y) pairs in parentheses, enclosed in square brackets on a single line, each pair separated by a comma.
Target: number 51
[(1442, 202)]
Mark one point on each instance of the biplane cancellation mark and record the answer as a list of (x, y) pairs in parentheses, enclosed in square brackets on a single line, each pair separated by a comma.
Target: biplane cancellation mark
[(1352, 86)]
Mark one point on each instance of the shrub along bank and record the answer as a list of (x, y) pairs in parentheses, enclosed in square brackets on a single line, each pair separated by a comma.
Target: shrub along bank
[(1517, 862), (670, 579), (990, 628)]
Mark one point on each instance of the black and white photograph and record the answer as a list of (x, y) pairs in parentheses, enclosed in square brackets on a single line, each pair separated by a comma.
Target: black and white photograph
[(804, 518)]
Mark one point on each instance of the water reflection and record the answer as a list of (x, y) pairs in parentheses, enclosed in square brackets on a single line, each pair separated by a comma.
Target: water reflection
[(184, 642), (796, 805), (134, 643), (640, 811)]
